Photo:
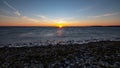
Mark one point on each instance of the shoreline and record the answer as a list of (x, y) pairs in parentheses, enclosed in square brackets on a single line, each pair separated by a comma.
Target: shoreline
[(91, 54), (51, 42)]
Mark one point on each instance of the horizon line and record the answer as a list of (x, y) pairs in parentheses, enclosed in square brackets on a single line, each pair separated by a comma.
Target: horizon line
[(68, 26)]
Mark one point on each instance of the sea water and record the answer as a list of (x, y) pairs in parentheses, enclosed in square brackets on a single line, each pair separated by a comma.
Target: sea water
[(54, 35)]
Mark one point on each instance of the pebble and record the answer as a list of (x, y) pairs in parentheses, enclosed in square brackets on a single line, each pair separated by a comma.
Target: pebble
[(72, 55)]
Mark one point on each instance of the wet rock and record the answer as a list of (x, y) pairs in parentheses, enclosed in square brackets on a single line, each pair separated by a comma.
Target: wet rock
[(90, 55)]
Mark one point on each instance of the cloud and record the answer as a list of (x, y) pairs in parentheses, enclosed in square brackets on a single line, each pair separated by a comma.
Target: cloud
[(44, 18), (86, 8), (104, 15), (21, 17), (29, 19), (16, 12), (47, 19), (41, 16), (6, 3), (6, 16)]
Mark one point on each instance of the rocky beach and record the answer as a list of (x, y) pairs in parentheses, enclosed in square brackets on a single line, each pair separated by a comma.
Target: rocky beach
[(59, 33), (102, 54)]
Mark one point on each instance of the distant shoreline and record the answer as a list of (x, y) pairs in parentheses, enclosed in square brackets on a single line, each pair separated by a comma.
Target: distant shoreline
[(64, 26)]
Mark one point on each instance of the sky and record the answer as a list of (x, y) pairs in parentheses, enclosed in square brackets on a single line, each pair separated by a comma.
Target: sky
[(59, 12)]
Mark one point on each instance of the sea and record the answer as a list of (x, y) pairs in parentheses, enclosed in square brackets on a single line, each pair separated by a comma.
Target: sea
[(32, 36)]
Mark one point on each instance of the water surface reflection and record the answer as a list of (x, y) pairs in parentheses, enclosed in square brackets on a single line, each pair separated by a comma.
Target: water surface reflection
[(60, 32)]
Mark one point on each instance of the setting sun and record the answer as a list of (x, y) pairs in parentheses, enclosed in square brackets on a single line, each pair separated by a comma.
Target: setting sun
[(60, 23), (59, 33), (60, 26)]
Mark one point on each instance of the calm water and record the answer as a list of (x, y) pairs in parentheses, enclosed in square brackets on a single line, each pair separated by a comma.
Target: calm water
[(32, 34)]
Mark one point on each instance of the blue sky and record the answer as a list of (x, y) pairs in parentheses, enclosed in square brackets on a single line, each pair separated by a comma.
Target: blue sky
[(51, 12)]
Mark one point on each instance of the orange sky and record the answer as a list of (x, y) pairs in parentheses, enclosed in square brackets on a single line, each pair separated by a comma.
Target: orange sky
[(63, 24), (62, 12)]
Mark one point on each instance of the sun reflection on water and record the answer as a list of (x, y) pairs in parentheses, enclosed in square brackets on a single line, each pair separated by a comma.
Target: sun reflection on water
[(60, 31)]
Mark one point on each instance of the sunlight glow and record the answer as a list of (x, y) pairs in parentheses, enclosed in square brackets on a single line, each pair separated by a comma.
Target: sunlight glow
[(60, 23), (60, 26)]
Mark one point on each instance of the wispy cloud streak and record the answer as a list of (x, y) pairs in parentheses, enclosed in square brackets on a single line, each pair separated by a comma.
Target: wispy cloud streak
[(104, 15), (41, 16), (6, 3), (29, 19), (16, 12)]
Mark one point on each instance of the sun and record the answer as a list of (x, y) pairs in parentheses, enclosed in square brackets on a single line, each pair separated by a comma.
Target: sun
[(60, 25)]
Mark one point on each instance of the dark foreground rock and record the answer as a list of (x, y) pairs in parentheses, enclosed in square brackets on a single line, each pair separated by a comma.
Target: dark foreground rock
[(103, 54)]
